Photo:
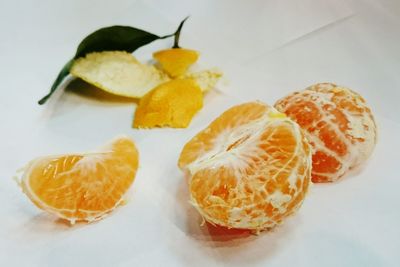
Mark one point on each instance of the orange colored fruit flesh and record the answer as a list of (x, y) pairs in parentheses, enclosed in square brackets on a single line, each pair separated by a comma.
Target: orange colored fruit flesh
[(332, 118), (82, 186)]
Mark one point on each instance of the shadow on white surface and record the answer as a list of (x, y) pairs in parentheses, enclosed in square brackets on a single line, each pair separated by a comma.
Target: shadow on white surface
[(91, 92), (40, 227), (44, 223), (231, 244), (80, 93)]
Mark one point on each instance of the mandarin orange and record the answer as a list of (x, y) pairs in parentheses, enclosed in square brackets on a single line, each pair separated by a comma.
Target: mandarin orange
[(339, 125), (249, 169), (82, 186)]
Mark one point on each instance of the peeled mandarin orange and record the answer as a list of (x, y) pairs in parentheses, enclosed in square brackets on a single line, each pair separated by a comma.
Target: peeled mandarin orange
[(176, 61), (249, 169), (82, 186), (172, 104), (339, 125)]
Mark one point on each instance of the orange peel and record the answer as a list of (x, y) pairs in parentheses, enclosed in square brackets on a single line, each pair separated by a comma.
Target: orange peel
[(172, 104), (176, 61)]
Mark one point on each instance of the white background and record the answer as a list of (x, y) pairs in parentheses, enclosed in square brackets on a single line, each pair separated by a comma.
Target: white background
[(266, 49)]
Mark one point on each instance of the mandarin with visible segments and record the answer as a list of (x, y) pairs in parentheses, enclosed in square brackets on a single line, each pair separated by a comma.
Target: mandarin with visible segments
[(249, 169), (338, 124)]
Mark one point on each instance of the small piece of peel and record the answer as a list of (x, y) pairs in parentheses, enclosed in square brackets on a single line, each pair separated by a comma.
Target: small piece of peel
[(176, 61), (172, 104), (206, 79)]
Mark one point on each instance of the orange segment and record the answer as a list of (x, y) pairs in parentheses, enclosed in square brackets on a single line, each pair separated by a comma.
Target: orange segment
[(176, 61), (339, 125), (249, 169), (82, 187)]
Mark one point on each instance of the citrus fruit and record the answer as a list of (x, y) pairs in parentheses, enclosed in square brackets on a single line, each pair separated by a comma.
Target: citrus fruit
[(176, 61), (82, 186), (118, 73), (339, 125), (173, 104), (249, 169)]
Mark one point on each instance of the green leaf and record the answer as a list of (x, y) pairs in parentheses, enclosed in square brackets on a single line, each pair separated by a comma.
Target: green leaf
[(63, 73), (115, 38)]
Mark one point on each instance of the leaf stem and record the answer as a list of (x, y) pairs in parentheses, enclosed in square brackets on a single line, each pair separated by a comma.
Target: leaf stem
[(177, 34), (167, 36)]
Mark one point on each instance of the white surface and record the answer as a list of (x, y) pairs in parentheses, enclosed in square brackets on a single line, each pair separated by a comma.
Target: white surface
[(266, 49)]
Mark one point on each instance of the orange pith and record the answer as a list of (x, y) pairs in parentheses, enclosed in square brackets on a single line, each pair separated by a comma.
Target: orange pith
[(338, 124), (82, 187), (250, 168)]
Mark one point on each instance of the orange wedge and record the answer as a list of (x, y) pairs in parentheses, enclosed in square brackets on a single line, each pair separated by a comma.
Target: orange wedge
[(82, 186), (249, 169)]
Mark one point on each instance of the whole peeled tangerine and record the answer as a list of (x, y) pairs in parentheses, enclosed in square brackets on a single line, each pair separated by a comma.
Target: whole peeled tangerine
[(338, 124), (249, 169)]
